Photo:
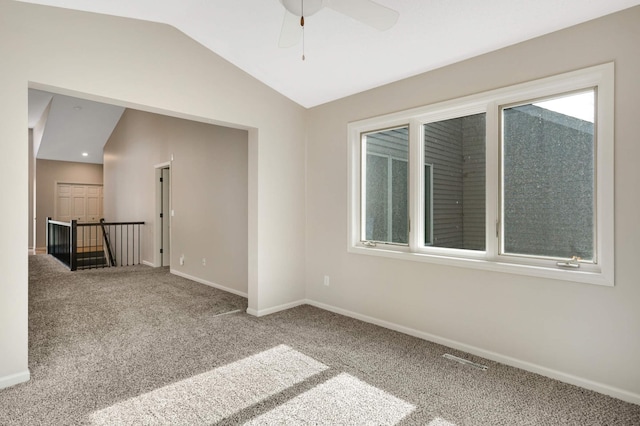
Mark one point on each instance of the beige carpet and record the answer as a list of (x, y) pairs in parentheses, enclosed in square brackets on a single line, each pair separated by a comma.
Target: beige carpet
[(141, 346)]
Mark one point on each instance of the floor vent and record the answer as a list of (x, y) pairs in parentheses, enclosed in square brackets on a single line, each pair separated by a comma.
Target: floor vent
[(466, 362)]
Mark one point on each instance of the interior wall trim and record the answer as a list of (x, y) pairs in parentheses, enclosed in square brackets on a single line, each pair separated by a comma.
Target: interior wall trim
[(273, 310), (14, 379), (209, 283), (622, 394)]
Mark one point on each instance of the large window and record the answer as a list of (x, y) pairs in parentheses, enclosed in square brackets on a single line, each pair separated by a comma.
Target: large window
[(518, 180)]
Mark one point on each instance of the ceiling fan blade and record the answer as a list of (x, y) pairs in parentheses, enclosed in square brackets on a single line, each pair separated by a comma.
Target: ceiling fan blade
[(291, 31), (366, 11)]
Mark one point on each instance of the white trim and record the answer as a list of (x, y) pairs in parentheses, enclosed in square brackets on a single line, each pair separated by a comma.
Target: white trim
[(275, 309), (602, 388), (600, 273), (487, 265), (146, 262), (209, 283), (14, 379)]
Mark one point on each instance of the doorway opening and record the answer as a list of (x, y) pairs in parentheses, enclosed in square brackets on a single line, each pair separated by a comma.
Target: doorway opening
[(163, 214)]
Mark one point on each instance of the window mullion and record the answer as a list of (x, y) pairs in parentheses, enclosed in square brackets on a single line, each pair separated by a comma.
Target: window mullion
[(416, 186), (389, 198), (362, 187), (493, 186)]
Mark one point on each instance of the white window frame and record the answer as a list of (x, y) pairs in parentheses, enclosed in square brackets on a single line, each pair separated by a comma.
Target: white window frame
[(600, 77)]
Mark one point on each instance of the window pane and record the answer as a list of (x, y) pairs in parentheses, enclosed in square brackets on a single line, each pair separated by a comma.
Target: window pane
[(428, 199), (399, 201), (377, 208), (386, 185), (455, 153), (548, 178)]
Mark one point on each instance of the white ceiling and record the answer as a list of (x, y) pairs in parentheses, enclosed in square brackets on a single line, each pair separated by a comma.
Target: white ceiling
[(344, 56), (73, 126)]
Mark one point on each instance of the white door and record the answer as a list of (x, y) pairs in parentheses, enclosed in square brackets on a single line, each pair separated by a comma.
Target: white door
[(94, 211), (84, 204), (93, 215), (63, 203)]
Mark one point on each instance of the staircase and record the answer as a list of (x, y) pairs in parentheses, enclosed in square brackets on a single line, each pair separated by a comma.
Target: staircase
[(94, 245), (91, 260)]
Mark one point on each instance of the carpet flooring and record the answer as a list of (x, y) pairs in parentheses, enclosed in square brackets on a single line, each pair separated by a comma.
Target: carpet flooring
[(141, 346)]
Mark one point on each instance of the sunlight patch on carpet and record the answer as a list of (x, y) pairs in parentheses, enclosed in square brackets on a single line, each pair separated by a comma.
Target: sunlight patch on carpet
[(341, 400), (216, 394)]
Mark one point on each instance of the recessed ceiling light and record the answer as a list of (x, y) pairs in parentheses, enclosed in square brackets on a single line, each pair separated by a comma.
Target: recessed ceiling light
[(85, 154)]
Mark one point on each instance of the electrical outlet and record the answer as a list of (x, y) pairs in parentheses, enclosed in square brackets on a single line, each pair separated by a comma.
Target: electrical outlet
[(326, 280), (182, 260), (204, 261)]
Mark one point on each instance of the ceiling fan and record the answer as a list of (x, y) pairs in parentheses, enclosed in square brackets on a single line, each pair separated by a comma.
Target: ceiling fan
[(366, 11)]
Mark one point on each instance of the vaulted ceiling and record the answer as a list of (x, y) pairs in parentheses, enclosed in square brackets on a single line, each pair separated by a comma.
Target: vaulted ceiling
[(343, 56)]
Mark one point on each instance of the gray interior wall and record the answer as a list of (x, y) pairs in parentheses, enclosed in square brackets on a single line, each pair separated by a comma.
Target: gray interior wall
[(209, 192), (32, 161)]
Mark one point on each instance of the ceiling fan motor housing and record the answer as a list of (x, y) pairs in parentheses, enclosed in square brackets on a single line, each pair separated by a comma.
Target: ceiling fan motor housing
[(296, 7)]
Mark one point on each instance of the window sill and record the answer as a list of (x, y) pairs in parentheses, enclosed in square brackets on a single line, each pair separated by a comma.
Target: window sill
[(572, 275)]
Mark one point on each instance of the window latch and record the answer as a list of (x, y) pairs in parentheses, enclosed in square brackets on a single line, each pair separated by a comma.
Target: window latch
[(369, 244), (572, 263)]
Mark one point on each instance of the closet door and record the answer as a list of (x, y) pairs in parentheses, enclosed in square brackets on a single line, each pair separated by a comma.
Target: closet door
[(84, 204)]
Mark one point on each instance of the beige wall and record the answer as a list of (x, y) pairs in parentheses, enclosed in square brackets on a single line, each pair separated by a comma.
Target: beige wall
[(209, 192), (32, 171), (35, 138), (580, 333), (577, 332), (155, 68), (48, 174)]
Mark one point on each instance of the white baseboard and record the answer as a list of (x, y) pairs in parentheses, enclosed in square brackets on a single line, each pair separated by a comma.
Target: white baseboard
[(14, 379), (622, 394), (275, 309), (146, 262), (209, 283)]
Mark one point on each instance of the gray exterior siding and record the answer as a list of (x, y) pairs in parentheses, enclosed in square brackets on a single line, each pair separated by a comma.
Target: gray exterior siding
[(456, 150), (548, 184)]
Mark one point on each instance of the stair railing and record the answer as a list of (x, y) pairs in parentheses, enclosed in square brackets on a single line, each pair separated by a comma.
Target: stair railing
[(124, 242), (62, 241), (94, 245), (107, 243)]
